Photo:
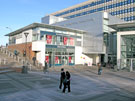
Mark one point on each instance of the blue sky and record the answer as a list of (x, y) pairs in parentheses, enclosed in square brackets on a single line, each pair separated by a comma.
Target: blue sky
[(19, 13)]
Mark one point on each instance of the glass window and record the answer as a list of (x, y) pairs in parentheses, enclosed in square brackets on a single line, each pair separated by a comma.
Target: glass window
[(53, 39), (42, 36), (71, 41), (58, 40), (35, 37), (57, 59)]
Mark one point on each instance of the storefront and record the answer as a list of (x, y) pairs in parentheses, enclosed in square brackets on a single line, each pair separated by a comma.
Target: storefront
[(60, 48), (59, 56)]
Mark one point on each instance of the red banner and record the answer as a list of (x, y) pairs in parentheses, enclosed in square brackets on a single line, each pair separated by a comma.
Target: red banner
[(65, 40), (70, 58), (49, 39), (47, 59), (71, 41), (56, 59)]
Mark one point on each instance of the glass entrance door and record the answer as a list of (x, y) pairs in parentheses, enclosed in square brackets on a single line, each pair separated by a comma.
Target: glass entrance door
[(64, 60)]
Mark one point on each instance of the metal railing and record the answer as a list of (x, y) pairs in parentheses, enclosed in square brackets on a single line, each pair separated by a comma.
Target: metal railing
[(19, 59)]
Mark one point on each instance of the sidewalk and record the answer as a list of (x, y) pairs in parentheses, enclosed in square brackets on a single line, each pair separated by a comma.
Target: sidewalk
[(86, 85)]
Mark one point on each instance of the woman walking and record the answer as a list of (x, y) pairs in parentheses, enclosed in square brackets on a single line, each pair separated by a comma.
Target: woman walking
[(67, 82)]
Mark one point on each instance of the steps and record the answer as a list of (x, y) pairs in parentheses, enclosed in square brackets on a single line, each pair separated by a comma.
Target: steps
[(8, 64), (6, 70), (7, 59)]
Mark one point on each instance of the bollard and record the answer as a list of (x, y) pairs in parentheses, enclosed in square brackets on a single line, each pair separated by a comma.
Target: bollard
[(0, 61), (30, 66), (4, 61)]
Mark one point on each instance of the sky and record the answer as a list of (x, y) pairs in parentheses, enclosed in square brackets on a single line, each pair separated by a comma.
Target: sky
[(15, 14)]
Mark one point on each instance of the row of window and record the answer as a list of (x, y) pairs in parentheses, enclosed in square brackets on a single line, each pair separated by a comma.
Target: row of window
[(100, 9), (59, 40), (129, 18), (123, 11), (97, 3)]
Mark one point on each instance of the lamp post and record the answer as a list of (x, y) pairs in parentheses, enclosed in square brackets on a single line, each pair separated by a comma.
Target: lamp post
[(9, 28), (24, 69), (26, 35), (10, 31)]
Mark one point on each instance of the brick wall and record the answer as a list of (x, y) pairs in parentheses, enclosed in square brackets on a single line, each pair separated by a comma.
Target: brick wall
[(21, 48)]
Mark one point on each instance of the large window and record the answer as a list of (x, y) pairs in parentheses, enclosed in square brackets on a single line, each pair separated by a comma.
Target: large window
[(128, 46)]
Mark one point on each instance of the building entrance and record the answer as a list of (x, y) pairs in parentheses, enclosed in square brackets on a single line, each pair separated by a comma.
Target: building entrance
[(60, 56), (128, 52)]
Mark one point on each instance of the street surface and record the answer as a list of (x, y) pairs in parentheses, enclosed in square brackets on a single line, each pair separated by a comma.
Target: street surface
[(86, 85)]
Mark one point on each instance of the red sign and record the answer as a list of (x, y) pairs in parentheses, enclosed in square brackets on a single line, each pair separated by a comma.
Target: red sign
[(70, 59), (47, 59), (56, 59), (49, 39), (65, 40), (71, 41)]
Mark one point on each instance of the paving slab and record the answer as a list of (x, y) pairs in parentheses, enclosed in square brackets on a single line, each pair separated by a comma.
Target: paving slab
[(85, 86)]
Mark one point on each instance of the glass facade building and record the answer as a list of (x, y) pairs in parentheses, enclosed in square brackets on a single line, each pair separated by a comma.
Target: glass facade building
[(125, 45), (124, 9)]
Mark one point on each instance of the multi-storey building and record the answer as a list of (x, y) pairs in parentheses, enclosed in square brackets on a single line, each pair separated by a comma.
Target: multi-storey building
[(53, 44), (124, 9), (98, 43)]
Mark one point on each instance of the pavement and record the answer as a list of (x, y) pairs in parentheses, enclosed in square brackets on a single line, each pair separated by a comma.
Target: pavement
[(86, 85)]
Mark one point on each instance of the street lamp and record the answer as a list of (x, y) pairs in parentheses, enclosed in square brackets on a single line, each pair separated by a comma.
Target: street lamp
[(9, 29), (26, 35), (24, 69)]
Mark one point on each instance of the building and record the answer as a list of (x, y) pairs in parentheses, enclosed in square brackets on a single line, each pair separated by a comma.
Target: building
[(98, 42), (125, 45), (124, 9), (53, 44)]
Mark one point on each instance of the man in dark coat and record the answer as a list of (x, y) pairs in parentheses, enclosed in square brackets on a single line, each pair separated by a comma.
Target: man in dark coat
[(67, 82), (99, 68), (62, 77), (45, 67)]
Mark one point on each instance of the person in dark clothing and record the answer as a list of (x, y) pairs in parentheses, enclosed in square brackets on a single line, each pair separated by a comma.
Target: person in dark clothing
[(62, 77), (45, 67), (67, 82), (99, 68), (34, 60)]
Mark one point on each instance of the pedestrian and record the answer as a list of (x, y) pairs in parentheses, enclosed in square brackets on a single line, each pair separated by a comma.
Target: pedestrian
[(62, 77), (67, 82), (99, 68), (34, 60), (15, 53), (24, 53), (45, 67)]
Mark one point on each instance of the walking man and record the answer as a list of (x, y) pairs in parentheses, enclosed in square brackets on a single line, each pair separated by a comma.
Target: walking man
[(99, 68), (67, 82), (45, 67), (62, 77)]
